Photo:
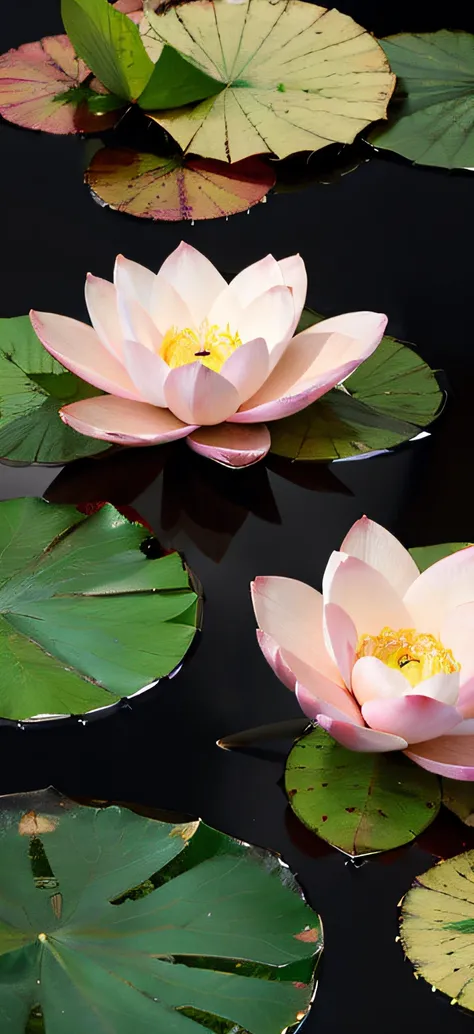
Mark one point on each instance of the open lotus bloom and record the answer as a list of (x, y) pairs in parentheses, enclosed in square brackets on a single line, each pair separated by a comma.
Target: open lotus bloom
[(383, 659), (184, 354)]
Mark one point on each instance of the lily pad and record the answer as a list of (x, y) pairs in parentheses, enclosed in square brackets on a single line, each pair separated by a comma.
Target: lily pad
[(437, 927), (360, 803), (385, 402), (45, 86), (297, 76), (431, 119), (172, 188), (110, 42), (33, 386), (426, 556), (459, 798), (85, 617), (83, 945)]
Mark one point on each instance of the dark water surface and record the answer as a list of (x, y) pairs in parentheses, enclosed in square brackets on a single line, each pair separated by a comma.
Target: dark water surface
[(386, 237)]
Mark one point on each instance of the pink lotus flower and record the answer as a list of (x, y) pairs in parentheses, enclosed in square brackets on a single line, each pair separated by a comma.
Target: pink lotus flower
[(383, 659), (184, 354)]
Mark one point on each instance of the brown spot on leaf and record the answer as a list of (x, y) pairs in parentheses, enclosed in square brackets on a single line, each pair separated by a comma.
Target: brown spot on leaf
[(324, 818), (57, 905), (309, 935), (382, 814), (33, 825), (350, 810), (291, 793)]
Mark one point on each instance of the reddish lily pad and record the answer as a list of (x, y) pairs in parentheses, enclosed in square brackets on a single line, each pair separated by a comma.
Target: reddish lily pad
[(175, 188), (43, 85)]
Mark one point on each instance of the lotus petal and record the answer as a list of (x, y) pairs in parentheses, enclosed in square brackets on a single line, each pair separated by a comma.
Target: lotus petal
[(195, 278), (365, 595), (148, 372), (315, 361), (414, 717), (134, 281), (101, 301), (247, 367), (198, 395), (291, 612), (126, 423), (449, 756), (273, 656), (447, 584), (79, 349), (372, 543), (230, 445), (356, 737)]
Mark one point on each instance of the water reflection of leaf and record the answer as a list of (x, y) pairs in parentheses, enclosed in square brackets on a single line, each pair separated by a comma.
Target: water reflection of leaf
[(117, 476), (325, 167), (187, 495)]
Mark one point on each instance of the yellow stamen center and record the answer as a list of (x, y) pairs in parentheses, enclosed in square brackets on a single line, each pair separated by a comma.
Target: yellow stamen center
[(416, 655), (210, 345)]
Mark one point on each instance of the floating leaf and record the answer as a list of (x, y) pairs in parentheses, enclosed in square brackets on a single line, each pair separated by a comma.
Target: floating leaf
[(33, 386), (85, 617), (437, 927), (175, 82), (45, 86), (386, 401), (459, 798), (297, 76), (358, 802), (173, 188), (110, 44), (431, 120), (425, 556), (83, 939)]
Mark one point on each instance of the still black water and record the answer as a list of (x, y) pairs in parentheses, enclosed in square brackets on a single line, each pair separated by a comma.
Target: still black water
[(386, 237)]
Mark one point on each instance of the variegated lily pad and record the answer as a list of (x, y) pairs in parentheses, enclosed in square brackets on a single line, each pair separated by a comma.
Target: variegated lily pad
[(43, 85), (172, 188)]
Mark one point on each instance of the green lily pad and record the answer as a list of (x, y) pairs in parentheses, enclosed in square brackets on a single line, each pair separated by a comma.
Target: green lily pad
[(437, 928), (297, 77), (360, 803), (33, 387), (85, 617), (426, 556), (388, 400), (431, 118), (83, 942), (458, 796), (109, 42)]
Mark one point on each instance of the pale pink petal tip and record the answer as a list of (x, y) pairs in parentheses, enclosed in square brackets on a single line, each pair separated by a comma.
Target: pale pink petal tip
[(413, 717), (355, 737), (273, 656), (231, 445), (123, 422), (448, 756)]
